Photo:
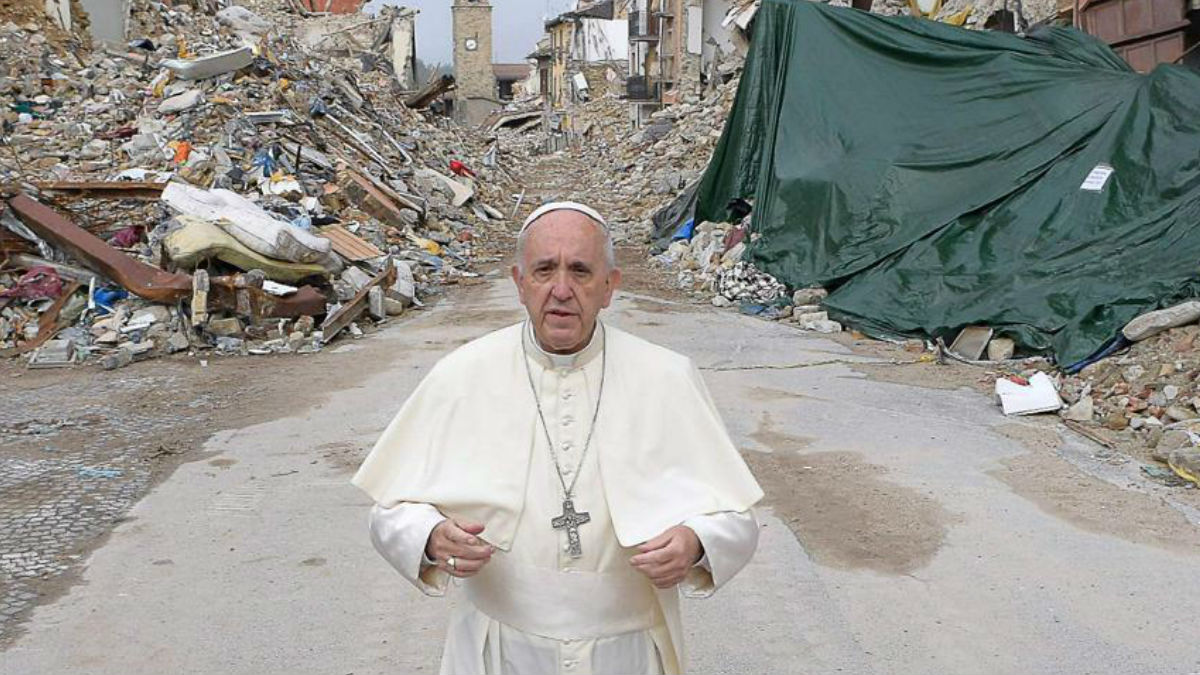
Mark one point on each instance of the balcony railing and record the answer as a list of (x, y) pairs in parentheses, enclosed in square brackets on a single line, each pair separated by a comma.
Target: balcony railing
[(643, 26), (641, 88)]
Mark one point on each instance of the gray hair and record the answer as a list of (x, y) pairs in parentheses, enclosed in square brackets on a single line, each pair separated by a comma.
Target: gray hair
[(610, 255)]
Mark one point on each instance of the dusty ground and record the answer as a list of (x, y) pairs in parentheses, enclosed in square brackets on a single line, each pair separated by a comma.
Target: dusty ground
[(82, 445), (845, 511)]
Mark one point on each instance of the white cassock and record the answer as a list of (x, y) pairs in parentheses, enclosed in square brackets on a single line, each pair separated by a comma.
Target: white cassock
[(533, 608)]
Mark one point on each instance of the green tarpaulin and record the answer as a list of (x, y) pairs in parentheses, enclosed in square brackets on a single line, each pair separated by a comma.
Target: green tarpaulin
[(933, 176)]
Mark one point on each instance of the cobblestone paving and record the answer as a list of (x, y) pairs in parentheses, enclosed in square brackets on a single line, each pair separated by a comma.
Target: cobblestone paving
[(73, 462)]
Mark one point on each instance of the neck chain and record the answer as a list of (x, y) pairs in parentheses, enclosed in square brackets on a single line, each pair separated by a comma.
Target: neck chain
[(568, 490), (570, 520)]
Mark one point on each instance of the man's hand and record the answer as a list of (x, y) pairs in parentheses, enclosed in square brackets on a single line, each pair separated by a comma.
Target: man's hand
[(666, 559), (458, 539)]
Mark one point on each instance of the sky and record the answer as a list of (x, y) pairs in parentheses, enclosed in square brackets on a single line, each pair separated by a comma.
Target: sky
[(516, 27)]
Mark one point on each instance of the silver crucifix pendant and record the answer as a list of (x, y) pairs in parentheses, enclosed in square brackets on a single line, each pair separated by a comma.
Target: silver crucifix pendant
[(570, 521)]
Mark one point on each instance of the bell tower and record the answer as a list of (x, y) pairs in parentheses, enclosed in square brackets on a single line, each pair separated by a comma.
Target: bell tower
[(475, 84)]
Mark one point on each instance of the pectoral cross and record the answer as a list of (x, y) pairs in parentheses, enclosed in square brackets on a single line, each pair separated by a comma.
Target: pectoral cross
[(570, 521)]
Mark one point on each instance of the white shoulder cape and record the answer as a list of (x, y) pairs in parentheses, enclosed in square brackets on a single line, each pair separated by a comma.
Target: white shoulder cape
[(462, 441)]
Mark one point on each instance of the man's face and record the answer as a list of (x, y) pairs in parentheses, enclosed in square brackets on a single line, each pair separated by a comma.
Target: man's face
[(567, 280)]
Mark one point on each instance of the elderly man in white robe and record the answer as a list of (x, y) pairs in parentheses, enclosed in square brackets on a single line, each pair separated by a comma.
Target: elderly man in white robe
[(573, 479)]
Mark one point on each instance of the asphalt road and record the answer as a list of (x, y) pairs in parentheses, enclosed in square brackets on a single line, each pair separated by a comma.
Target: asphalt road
[(907, 530)]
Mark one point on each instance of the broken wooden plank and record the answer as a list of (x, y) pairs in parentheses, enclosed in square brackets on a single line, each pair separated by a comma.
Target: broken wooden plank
[(1088, 433), (350, 311), (407, 201), (374, 199), (348, 245), (430, 93), (104, 189)]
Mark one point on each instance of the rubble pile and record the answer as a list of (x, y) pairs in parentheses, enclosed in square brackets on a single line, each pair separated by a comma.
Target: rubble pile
[(1148, 397), (632, 173), (240, 178), (655, 164)]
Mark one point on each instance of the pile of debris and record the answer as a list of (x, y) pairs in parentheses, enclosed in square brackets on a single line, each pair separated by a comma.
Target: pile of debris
[(1149, 396), (655, 164), (1140, 396), (243, 178), (632, 173)]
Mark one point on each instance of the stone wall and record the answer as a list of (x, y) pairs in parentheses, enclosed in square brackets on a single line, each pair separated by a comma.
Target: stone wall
[(604, 78), (473, 76)]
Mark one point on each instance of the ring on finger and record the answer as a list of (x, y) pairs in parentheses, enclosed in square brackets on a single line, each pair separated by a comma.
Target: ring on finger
[(452, 563)]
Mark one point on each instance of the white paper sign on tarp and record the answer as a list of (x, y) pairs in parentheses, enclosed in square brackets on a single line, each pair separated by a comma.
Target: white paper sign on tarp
[(1097, 178)]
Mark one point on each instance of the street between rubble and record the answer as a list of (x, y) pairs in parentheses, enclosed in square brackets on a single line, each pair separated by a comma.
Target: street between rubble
[(912, 527), (957, 347)]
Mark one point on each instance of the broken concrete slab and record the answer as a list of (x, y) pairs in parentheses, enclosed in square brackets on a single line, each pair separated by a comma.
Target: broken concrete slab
[(971, 342), (357, 278), (1000, 349), (243, 20), (229, 327), (151, 314), (210, 66), (1152, 323), (140, 349), (812, 317), (375, 305), (1082, 411), (393, 307), (809, 296), (53, 354), (178, 342), (118, 359), (404, 289), (822, 326), (181, 102), (462, 193)]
